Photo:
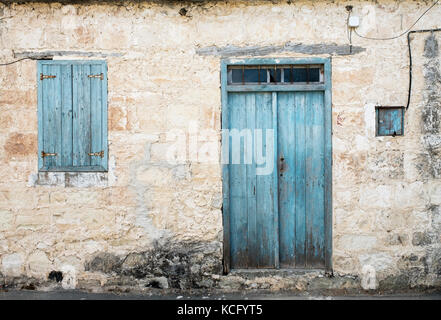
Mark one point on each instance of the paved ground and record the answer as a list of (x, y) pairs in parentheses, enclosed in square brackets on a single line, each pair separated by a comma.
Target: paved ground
[(78, 295)]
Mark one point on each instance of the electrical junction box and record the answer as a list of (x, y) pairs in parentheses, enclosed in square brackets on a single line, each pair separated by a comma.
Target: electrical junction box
[(390, 121), (353, 22)]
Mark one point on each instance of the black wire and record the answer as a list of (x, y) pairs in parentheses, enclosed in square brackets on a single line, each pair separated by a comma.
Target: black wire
[(401, 34), (12, 62), (410, 60)]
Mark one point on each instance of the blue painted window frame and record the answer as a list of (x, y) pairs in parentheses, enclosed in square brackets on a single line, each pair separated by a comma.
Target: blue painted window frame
[(104, 163), (327, 89)]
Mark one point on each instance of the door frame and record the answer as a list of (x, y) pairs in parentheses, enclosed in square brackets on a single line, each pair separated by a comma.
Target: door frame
[(326, 88)]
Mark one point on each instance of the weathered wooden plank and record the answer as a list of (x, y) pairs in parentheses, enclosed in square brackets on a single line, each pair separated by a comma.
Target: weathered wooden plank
[(273, 61), (286, 172), (265, 188), (275, 88), (66, 116), (275, 180), (81, 120), (250, 111), (238, 194), (300, 179), (328, 165), (51, 115), (105, 159), (96, 121), (40, 115), (315, 178)]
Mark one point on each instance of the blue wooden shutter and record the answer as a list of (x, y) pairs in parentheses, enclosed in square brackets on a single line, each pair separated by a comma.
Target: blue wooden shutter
[(72, 115), (90, 116), (55, 115)]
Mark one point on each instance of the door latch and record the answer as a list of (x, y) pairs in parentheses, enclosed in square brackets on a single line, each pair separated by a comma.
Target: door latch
[(97, 154), (101, 76), (45, 154), (44, 76)]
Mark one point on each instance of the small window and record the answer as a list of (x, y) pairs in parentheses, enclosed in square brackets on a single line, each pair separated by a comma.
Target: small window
[(389, 121), (72, 116), (270, 74)]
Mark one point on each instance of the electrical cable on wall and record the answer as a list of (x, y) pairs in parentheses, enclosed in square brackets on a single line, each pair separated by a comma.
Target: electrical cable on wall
[(12, 62), (409, 32), (401, 34)]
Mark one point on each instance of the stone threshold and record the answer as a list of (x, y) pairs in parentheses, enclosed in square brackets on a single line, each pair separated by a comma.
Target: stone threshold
[(277, 272)]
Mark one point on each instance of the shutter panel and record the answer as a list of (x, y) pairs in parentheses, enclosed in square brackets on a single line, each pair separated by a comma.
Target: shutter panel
[(90, 116), (72, 115), (81, 119), (55, 115)]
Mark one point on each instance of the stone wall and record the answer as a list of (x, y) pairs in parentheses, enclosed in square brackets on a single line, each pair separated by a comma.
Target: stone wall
[(150, 219)]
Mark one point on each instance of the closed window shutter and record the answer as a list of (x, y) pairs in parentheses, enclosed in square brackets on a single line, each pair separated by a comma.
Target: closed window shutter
[(73, 119), (89, 121), (56, 116)]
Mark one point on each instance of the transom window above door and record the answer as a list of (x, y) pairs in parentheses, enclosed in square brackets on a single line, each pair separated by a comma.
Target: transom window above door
[(275, 74)]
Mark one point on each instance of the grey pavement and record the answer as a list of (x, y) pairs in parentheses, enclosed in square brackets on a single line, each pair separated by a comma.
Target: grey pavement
[(81, 295)]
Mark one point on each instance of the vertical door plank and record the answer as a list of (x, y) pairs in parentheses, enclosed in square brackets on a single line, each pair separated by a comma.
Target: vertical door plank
[(265, 187), (66, 116), (316, 227), (286, 176), (309, 166), (253, 246), (300, 179), (81, 121), (275, 193), (96, 121), (238, 183), (315, 181)]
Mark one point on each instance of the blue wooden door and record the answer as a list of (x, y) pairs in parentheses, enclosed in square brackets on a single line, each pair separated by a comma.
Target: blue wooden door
[(277, 216)]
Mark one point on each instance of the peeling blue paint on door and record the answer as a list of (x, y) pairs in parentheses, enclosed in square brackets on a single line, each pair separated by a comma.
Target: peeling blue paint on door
[(280, 219)]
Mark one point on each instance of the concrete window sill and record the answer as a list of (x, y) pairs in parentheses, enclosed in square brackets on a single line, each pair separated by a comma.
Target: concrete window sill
[(69, 179)]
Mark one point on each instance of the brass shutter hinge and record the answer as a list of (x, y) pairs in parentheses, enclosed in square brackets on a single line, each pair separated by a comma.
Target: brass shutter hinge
[(101, 76), (43, 76), (97, 154), (44, 154)]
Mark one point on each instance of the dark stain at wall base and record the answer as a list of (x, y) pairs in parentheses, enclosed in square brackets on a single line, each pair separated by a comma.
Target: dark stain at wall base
[(322, 48), (181, 266)]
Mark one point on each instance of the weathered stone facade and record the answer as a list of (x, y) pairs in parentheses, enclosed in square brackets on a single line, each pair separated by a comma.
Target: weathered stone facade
[(151, 223)]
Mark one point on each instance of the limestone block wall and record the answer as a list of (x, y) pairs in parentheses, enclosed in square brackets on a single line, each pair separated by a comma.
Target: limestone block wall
[(164, 75)]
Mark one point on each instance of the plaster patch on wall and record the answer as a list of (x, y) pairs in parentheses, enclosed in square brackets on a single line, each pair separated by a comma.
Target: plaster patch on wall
[(69, 277), (369, 119), (369, 20), (143, 218), (12, 264)]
